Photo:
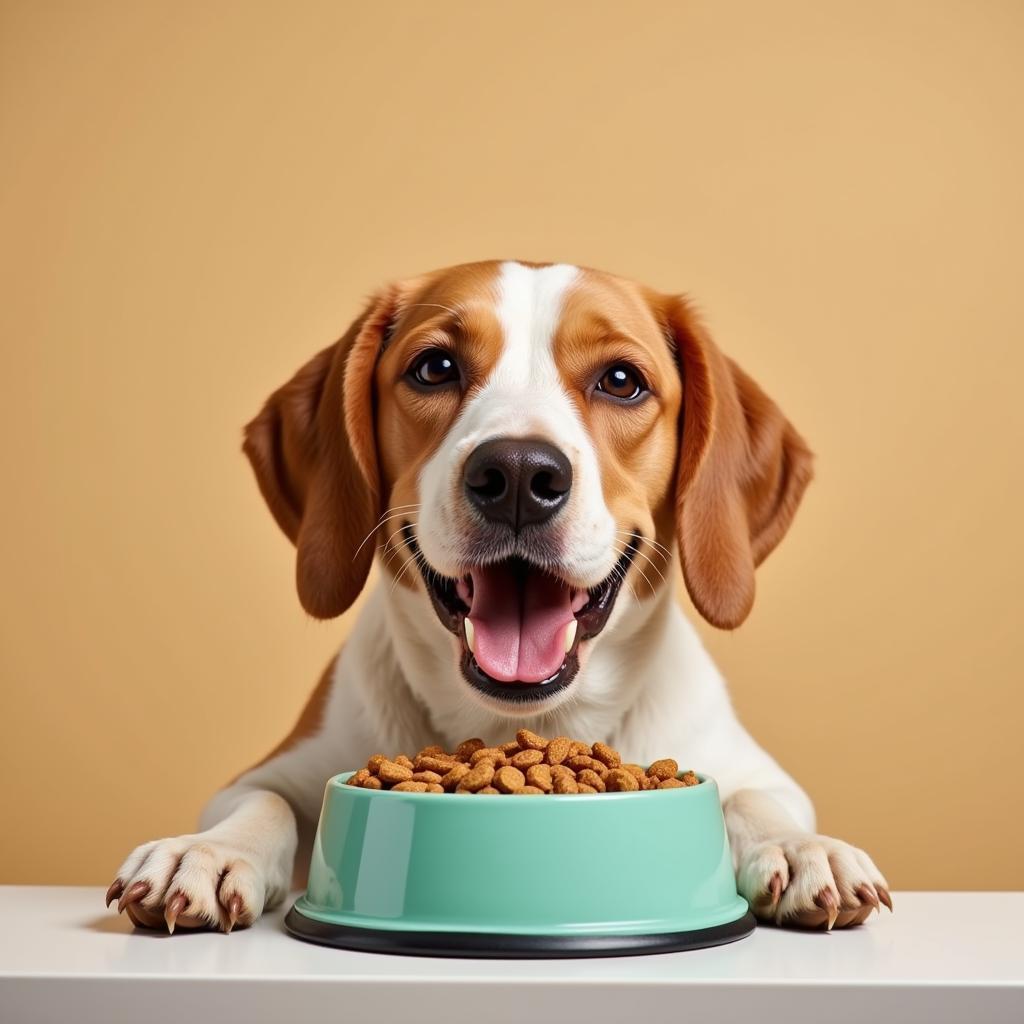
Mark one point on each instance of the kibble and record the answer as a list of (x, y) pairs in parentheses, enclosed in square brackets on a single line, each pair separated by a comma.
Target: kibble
[(590, 778), (509, 779), (557, 750), (432, 763), (394, 772), (479, 776), (410, 787), (607, 756), (467, 748), (539, 775), (620, 781), (527, 758), (530, 740), (529, 765), (457, 773), (492, 754), (666, 768)]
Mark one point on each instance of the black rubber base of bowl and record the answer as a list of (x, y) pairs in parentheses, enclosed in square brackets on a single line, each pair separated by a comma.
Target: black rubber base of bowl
[(484, 945)]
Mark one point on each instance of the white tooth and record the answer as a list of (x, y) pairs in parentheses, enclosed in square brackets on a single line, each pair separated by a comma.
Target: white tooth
[(470, 635), (570, 635)]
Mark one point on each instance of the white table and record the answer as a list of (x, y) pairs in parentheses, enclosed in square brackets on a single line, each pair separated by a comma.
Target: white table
[(940, 957)]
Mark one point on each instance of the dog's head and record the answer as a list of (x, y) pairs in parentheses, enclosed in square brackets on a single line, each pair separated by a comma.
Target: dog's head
[(523, 444)]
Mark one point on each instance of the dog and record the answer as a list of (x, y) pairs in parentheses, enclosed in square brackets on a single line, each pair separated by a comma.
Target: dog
[(524, 448)]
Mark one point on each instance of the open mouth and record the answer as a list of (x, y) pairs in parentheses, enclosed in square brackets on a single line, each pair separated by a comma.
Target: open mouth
[(520, 627)]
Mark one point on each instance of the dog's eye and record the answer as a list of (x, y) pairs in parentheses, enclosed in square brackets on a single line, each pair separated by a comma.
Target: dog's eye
[(434, 368), (621, 381)]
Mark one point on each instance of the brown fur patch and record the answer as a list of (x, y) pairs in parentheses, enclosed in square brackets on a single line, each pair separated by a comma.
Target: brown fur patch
[(453, 310), (743, 469), (313, 452), (606, 320)]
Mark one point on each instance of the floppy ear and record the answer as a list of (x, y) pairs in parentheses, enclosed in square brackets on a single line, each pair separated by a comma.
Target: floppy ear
[(313, 450), (742, 471)]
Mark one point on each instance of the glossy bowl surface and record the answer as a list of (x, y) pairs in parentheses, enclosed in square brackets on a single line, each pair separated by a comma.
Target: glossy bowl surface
[(520, 869)]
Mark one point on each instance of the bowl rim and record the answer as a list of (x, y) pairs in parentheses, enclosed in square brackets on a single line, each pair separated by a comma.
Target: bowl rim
[(341, 781)]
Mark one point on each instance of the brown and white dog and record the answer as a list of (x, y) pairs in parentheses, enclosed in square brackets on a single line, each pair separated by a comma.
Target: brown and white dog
[(523, 446)]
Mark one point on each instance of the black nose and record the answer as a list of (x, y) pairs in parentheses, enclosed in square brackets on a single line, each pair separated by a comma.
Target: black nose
[(517, 482)]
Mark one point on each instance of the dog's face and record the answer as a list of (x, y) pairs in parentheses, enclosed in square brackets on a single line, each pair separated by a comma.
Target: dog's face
[(523, 444)]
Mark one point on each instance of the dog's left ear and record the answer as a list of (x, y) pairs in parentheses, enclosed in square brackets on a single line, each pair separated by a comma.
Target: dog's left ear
[(313, 449), (742, 471)]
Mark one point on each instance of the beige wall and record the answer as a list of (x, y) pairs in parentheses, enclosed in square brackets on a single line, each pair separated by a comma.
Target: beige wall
[(196, 196)]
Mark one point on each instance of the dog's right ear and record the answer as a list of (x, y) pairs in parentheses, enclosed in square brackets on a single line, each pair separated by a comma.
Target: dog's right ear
[(743, 469), (313, 449)]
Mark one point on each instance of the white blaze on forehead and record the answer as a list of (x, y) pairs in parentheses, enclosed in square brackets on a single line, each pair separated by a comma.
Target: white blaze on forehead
[(529, 307), (522, 397)]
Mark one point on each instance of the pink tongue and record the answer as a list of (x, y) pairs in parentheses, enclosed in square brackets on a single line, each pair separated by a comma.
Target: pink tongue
[(519, 624)]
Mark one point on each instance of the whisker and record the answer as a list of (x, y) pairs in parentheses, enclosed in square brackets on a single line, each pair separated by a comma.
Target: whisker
[(401, 572), (646, 580), (642, 573), (396, 508), (648, 540), (395, 548), (628, 586), (385, 519), (647, 558), (653, 565), (620, 574), (617, 572)]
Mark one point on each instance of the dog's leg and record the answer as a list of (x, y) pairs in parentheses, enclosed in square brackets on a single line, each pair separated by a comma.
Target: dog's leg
[(223, 876), (240, 863), (790, 875)]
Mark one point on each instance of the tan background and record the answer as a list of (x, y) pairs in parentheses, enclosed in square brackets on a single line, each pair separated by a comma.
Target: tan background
[(195, 197)]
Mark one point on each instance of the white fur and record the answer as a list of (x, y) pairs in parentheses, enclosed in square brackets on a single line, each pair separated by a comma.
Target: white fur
[(647, 686)]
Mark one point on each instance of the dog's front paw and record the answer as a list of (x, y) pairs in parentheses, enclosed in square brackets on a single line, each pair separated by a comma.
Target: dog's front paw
[(808, 881), (189, 882)]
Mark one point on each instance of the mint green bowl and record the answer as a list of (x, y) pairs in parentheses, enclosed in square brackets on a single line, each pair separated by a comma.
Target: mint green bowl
[(505, 876)]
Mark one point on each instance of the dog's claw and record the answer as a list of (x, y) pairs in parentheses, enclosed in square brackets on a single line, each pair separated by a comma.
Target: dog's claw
[(827, 902), (234, 912), (885, 897), (177, 903), (866, 894), (775, 888), (115, 890), (135, 892)]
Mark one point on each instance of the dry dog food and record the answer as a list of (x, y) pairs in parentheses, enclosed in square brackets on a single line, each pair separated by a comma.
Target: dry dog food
[(529, 765)]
